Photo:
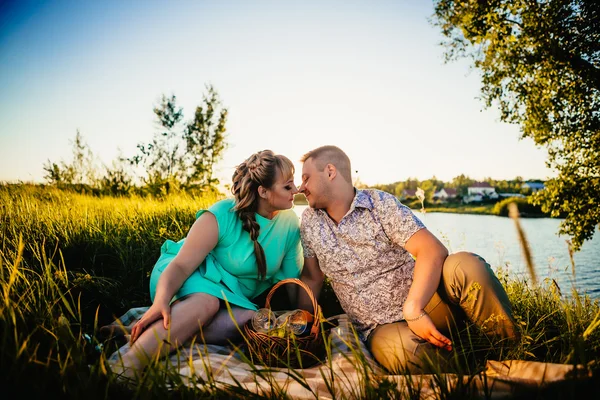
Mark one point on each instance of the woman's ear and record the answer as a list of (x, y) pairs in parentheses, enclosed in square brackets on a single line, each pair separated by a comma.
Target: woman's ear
[(262, 192)]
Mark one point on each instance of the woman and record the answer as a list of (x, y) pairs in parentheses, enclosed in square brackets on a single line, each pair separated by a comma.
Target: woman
[(234, 251)]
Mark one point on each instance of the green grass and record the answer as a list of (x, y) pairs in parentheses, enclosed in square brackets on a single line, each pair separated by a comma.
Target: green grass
[(109, 244), (70, 263)]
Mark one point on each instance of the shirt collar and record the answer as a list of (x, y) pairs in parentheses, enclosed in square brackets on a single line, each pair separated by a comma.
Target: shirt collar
[(362, 200)]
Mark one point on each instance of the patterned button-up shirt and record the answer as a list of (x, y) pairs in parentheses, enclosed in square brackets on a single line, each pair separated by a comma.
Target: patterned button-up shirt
[(364, 256)]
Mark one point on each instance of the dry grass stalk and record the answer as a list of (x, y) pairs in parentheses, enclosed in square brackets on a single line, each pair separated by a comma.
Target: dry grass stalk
[(513, 212)]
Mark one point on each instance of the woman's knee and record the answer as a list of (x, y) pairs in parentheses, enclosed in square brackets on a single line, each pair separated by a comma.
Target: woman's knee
[(205, 305)]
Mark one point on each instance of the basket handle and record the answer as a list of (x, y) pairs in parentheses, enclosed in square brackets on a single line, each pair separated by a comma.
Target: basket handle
[(315, 328)]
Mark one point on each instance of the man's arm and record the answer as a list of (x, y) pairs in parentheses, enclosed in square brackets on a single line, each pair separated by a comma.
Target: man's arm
[(313, 277), (430, 255)]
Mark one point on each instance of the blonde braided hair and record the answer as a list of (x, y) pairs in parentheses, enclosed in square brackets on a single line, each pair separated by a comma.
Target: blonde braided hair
[(260, 169)]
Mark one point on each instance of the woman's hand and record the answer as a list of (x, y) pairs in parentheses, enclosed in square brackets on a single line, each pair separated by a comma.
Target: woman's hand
[(425, 329), (154, 313)]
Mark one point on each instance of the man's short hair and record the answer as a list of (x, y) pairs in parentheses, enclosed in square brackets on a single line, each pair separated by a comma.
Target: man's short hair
[(330, 155)]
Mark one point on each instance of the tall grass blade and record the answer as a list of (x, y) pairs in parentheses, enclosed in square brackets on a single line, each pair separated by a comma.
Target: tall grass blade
[(513, 212)]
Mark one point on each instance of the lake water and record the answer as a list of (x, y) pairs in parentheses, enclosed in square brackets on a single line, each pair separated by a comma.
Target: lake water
[(495, 239)]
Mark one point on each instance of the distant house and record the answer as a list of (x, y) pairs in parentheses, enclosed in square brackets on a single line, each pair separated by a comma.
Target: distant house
[(445, 194), (533, 186), (478, 191), (483, 189)]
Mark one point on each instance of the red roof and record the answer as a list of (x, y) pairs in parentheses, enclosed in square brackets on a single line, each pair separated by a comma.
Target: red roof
[(410, 192), (450, 191)]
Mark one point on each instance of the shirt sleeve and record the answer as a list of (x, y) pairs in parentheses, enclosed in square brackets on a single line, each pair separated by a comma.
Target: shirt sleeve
[(224, 214), (398, 221), (304, 235)]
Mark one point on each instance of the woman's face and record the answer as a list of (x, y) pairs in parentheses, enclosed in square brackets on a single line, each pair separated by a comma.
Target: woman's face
[(281, 195)]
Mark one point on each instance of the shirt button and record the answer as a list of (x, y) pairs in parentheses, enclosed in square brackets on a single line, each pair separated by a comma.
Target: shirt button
[(355, 275)]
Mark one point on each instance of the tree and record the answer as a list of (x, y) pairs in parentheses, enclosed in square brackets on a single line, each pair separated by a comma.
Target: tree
[(81, 171), (116, 179), (461, 183), (162, 158), (540, 64), (205, 140), (184, 155)]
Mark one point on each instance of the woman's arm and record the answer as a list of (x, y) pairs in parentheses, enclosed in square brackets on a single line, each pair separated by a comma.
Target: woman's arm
[(201, 239)]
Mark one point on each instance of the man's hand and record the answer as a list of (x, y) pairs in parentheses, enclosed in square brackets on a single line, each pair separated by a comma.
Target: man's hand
[(154, 313), (425, 329)]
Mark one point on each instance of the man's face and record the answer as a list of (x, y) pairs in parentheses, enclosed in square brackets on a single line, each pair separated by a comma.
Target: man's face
[(314, 184)]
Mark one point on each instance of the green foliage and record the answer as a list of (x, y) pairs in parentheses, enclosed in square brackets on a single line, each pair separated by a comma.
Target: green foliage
[(80, 171), (524, 204), (116, 180), (540, 64), (461, 183), (180, 158), (162, 159), (184, 157), (575, 197), (205, 140), (508, 186)]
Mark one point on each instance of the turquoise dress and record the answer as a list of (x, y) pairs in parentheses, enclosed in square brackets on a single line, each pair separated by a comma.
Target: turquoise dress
[(229, 271)]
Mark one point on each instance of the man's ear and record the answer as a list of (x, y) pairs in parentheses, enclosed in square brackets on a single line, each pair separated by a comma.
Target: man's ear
[(331, 171), (262, 192)]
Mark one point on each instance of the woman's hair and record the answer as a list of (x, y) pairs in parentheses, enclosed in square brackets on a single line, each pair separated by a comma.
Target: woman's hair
[(260, 169)]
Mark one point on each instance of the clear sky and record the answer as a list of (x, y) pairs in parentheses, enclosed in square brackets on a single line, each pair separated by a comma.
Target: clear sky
[(367, 76)]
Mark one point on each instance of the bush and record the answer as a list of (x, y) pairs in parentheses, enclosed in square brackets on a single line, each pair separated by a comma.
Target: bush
[(526, 209)]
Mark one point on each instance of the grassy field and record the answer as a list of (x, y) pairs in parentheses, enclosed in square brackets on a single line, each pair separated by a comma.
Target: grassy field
[(70, 263)]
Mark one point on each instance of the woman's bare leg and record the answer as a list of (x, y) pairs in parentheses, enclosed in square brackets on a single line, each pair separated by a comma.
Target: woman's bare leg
[(187, 315)]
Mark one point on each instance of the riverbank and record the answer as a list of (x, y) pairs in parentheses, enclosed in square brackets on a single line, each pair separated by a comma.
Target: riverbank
[(500, 208), (486, 209)]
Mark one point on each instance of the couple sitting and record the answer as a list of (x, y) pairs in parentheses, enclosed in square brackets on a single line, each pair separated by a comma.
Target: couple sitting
[(403, 292)]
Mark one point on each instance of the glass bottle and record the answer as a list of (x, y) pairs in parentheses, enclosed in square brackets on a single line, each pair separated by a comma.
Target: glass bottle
[(263, 320), (295, 321)]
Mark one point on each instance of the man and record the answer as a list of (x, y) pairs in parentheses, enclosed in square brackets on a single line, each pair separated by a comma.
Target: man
[(395, 280)]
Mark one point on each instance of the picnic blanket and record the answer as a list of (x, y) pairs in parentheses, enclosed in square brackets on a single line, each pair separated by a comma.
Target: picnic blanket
[(343, 374)]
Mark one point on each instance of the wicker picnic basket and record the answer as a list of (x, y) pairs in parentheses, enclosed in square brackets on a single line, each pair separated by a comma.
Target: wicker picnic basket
[(290, 351)]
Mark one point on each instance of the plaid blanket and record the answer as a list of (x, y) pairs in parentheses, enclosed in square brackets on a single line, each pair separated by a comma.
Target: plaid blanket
[(343, 374)]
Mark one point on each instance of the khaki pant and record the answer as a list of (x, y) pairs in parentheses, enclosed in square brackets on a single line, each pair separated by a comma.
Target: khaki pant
[(469, 291)]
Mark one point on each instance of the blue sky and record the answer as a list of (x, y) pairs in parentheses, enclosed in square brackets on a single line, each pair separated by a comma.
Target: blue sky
[(368, 77)]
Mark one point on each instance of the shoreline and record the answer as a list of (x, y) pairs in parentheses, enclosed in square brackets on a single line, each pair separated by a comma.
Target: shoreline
[(480, 210), (487, 209)]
